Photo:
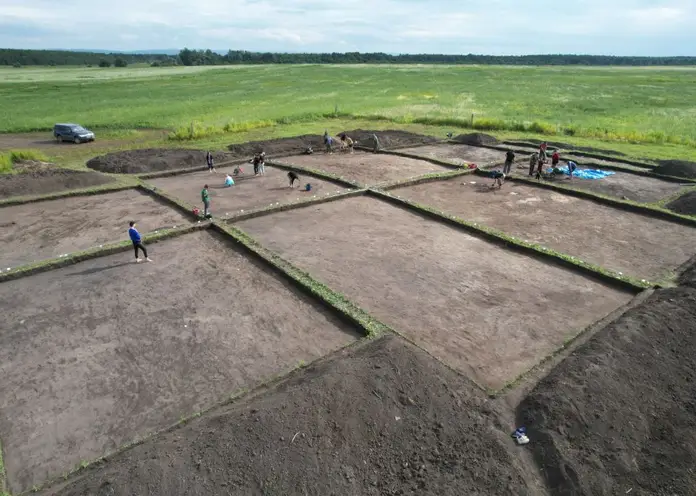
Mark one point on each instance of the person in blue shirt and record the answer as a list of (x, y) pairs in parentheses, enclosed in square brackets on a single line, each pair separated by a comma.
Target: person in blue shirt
[(137, 242), (571, 168)]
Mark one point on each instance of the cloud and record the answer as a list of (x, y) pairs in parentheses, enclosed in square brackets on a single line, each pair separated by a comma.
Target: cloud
[(651, 27)]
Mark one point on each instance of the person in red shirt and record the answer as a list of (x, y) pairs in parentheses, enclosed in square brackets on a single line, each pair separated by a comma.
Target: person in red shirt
[(555, 158)]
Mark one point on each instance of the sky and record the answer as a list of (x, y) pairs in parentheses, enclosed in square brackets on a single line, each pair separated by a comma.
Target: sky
[(496, 27)]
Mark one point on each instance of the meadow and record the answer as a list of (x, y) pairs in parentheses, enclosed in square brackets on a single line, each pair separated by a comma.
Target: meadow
[(653, 106)]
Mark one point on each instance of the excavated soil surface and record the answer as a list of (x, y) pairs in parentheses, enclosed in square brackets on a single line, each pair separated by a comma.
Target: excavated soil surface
[(618, 416), (384, 419), (488, 312), (152, 160), (106, 351), (40, 179)]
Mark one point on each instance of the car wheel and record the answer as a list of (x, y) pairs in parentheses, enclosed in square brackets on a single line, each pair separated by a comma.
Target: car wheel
[(59, 139), (77, 140)]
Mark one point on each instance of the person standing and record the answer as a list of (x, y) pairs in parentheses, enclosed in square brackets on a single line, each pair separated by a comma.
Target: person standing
[(205, 196), (509, 159), (137, 242), (209, 161), (555, 158), (533, 162)]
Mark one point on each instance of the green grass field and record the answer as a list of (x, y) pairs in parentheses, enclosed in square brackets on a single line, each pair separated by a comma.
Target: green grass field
[(655, 106)]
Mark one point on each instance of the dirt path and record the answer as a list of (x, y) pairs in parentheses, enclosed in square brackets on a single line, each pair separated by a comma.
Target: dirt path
[(36, 231), (641, 246), (248, 193), (486, 311), (98, 354)]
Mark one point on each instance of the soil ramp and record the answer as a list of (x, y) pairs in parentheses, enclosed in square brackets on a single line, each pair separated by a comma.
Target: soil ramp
[(383, 420), (618, 416), (152, 160)]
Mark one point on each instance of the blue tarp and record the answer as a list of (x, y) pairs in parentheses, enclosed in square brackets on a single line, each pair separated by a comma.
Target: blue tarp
[(586, 173)]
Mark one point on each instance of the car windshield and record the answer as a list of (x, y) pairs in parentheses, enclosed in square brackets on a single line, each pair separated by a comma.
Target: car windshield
[(79, 129)]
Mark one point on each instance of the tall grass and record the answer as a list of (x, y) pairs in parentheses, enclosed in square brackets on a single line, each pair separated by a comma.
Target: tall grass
[(11, 157), (649, 105)]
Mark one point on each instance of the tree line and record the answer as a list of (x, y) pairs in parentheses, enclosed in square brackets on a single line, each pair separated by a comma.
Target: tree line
[(208, 57), (18, 58)]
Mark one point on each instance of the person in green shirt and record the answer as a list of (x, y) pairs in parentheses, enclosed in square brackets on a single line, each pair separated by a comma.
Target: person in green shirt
[(205, 196)]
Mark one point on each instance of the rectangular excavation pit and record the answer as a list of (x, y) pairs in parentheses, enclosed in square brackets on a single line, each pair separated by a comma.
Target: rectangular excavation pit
[(489, 312), (625, 186), (623, 241), (47, 229), (366, 168), (248, 193), (106, 351), (459, 154)]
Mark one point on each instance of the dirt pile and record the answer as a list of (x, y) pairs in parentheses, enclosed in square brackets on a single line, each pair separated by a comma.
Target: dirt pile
[(565, 146), (297, 144), (688, 277), (39, 178), (619, 414), (152, 160), (685, 204), (476, 139), (676, 168), (383, 420)]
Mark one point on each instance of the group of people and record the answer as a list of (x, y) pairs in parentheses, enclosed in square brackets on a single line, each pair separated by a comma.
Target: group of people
[(537, 161), (346, 142)]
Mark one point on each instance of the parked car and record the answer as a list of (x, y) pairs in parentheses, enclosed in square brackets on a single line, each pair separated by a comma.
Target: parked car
[(72, 132)]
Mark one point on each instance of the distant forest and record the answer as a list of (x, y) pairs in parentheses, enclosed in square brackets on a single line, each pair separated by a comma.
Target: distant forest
[(18, 58)]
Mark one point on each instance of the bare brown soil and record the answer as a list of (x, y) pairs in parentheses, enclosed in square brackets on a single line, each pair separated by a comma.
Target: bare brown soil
[(40, 179), (103, 352), (677, 168), (459, 154), (619, 415), (685, 204), (488, 312), (297, 144), (384, 419), (36, 231), (153, 160), (365, 168), (249, 192), (641, 246), (625, 186), (476, 139)]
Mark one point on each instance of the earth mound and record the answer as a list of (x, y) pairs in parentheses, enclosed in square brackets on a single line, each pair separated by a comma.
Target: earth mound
[(476, 139), (568, 146), (383, 419), (676, 168), (39, 178), (297, 144), (152, 160), (619, 414), (685, 204), (688, 276)]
